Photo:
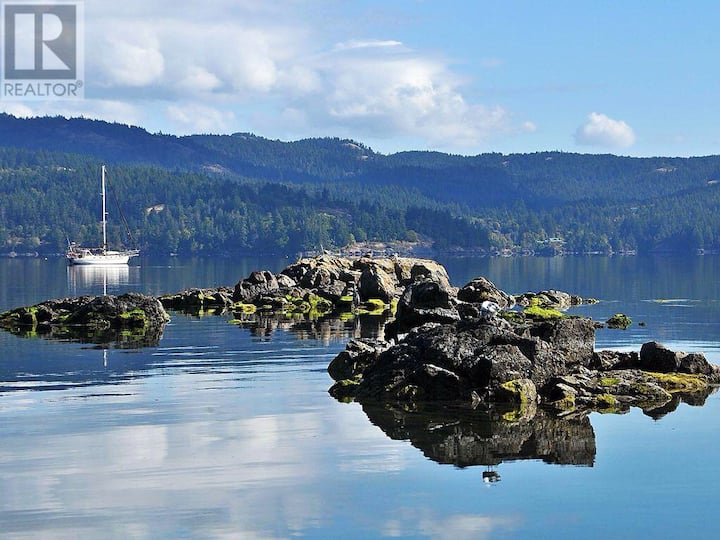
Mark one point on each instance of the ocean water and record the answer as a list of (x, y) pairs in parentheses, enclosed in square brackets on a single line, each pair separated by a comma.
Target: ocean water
[(224, 431)]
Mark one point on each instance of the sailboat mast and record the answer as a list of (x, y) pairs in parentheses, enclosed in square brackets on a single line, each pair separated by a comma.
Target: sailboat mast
[(104, 213)]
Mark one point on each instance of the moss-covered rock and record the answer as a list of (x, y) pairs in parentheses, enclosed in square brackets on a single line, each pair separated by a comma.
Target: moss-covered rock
[(519, 391), (130, 319), (619, 321)]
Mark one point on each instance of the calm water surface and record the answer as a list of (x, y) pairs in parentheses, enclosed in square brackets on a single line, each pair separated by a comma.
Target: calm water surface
[(225, 432)]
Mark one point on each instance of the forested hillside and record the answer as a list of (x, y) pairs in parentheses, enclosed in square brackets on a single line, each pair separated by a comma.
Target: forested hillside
[(244, 193)]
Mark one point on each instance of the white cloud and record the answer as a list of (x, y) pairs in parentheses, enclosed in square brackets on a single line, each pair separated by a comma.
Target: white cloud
[(280, 73), (130, 58), (601, 130), (388, 91), (190, 118), (366, 44), (199, 79)]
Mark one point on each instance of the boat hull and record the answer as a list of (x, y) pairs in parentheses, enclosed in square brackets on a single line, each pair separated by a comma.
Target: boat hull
[(102, 259)]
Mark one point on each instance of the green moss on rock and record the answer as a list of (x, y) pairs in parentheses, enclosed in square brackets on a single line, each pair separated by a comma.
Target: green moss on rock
[(619, 320), (680, 382), (543, 314)]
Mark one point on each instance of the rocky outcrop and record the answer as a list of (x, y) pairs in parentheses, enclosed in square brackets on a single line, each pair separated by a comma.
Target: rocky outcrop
[(130, 319), (552, 299), (341, 282), (616, 390), (471, 360), (199, 300), (449, 345), (315, 286)]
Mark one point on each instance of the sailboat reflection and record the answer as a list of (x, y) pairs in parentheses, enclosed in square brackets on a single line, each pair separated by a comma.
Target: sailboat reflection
[(89, 279)]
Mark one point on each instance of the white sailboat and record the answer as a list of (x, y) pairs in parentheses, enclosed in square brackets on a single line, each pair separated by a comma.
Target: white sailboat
[(78, 255)]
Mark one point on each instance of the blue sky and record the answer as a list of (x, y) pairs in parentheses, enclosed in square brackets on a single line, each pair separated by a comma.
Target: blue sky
[(634, 78)]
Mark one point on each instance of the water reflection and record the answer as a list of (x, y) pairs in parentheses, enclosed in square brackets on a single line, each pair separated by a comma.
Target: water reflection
[(695, 399), (118, 338), (465, 437), (104, 278), (229, 348), (324, 329)]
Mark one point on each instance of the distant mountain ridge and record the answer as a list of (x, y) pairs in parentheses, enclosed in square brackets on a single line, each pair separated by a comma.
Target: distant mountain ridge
[(517, 201), (583, 176)]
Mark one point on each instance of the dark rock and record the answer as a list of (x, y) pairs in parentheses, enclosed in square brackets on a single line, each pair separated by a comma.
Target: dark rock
[(358, 355), (432, 382), (453, 346), (695, 363), (194, 300), (482, 355), (655, 356), (517, 391), (617, 389), (425, 270), (573, 338), (316, 271), (335, 278), (377, 283), (344, 389), (607, 360), (256, 284), (326, 276), (285, 282), (423, 302), (481, 289)]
